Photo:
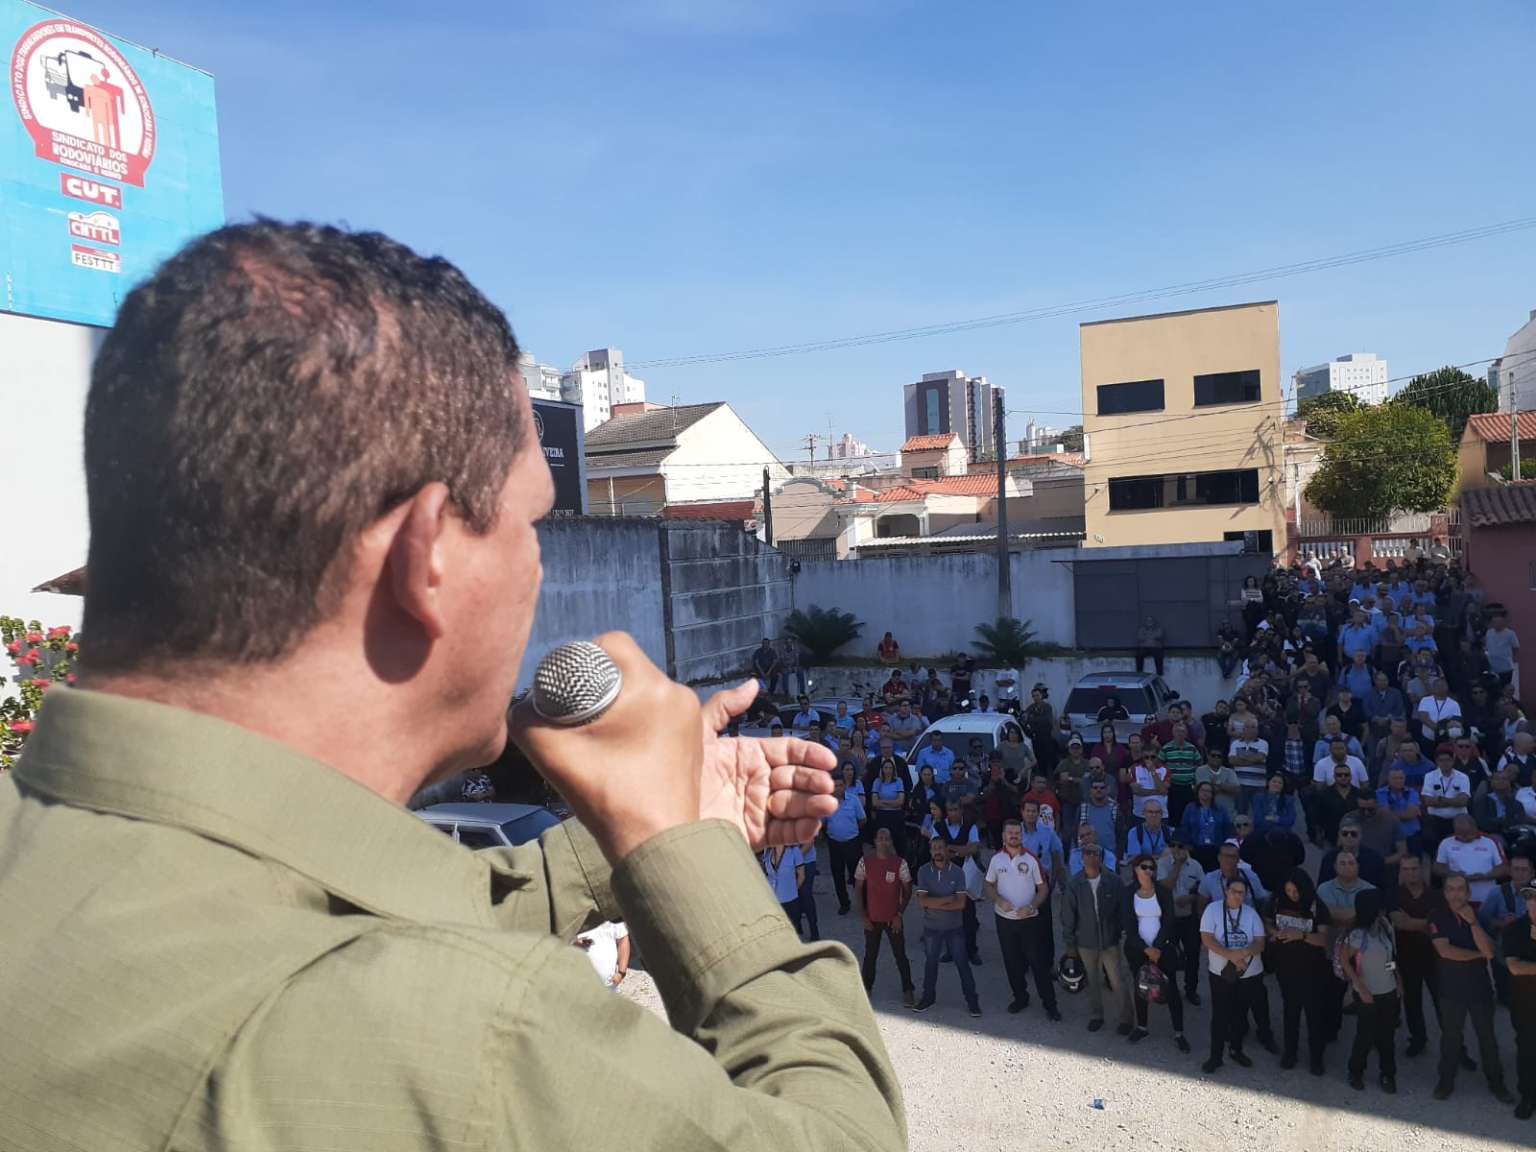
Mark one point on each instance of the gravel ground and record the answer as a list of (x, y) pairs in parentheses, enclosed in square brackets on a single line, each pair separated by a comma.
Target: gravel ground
[(988, 1083)]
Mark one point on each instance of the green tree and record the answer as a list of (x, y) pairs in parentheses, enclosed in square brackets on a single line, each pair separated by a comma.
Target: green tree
[(1452, 395), (1322, 413), (1072, 439), (822, 631), (1009, 643), (1395, 458)]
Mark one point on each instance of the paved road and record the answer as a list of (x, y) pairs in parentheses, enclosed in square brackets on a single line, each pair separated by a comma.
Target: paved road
[(1007, 1082)]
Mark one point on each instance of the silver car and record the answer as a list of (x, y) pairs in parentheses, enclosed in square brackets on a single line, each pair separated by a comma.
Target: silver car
[(1142, 695), (490, 825)]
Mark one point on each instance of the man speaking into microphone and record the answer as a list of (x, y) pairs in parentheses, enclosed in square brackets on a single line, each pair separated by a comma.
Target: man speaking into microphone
[(313, 491)]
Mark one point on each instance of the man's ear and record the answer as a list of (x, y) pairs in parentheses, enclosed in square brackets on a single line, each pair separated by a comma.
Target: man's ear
[(416, 559)]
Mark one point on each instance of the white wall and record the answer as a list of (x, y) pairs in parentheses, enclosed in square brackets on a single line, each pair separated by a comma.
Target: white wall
[(933, 603), (1518, 371), (719, 458), (45, 372)]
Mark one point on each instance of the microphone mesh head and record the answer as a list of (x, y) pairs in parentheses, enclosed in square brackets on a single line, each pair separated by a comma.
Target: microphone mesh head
[(576, 683)]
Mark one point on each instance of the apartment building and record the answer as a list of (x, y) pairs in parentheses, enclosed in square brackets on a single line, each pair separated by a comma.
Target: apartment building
[(1183, 428)]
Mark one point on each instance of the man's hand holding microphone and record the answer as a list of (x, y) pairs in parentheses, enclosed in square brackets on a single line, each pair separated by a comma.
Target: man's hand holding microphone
[(652, 759)]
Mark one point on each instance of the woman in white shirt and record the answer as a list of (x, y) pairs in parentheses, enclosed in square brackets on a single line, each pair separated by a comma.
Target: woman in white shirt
[(1151, 938)]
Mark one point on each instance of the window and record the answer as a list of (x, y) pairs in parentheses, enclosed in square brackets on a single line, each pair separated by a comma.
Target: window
[(1132, 396), (1189, 489), (1227, 388), (477, 838), (1088, 701), (1260, 543), (925, 473)]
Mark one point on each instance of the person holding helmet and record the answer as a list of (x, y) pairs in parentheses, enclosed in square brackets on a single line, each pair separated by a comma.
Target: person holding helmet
[(1091, 919), (1152, 949)]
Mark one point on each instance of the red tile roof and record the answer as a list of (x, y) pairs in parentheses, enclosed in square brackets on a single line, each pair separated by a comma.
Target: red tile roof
[(1493, 427), (712, 510), (977, 485), (928, 443), (1500, 506)]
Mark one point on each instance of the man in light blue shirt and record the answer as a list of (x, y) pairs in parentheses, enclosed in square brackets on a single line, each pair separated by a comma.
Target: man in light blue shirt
[(843, 722), (1213, 888), (1357, 676), (844, 843), (1333, 731), (1088, 838), (1042, 842), (805, 717), (937, 757), (1356, 636)]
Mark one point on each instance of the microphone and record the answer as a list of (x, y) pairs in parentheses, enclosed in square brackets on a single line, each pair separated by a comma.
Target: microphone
[(575, 684)]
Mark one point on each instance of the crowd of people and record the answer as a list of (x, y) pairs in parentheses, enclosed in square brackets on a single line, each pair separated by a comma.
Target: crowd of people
[(1357, 818)]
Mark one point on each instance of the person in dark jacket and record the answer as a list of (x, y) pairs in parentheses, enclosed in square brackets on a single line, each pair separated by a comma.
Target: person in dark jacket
[(1152, 938), (1092, 923), (1298, 954)]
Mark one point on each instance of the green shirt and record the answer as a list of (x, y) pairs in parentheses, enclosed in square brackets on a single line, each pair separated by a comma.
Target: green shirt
[(213, 942), (1181, 761)]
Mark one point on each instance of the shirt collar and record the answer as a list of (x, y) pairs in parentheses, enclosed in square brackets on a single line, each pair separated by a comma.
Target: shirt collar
[(170, 766)]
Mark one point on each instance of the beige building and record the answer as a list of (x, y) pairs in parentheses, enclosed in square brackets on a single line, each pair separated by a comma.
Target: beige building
[(1183, 427)]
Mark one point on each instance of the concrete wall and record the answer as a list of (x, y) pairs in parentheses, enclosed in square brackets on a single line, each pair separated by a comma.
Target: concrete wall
[(697, 597), (1194, 677), (600, 575), (1181, 438), (933, 603), (725, 591), (45, 372)]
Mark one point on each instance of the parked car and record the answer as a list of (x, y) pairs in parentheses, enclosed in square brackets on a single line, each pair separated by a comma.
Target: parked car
[(1141, 693), (490, 825), (960, 729)]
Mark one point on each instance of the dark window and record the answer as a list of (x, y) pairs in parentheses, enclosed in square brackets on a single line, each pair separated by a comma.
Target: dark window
[(477, 838), (1261, 543), (1132, 396), (1132, 493), (1227, 388), (1088, 701)]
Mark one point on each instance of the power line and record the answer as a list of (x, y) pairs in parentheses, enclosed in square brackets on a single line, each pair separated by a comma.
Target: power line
[(1281, 271)]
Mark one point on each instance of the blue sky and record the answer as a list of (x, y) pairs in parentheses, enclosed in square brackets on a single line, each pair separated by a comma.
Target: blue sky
[(676, 177)]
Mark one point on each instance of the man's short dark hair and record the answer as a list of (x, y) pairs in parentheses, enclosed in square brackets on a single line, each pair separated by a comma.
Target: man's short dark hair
[(267, 394)]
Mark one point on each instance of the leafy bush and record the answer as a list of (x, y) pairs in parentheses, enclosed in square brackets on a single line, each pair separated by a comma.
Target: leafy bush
[(1009, 643), (42, 660), (822, 631)]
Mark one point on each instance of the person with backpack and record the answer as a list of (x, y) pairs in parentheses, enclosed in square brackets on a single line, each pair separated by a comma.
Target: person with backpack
[(1368, 959)]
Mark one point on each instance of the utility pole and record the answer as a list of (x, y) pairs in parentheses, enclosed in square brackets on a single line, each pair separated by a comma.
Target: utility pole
[(1000, 442), (810, 445), (1514, 436), (767, 510)]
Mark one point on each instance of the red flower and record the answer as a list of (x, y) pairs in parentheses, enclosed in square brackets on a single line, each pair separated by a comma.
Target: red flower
[(71, 647), (70, 679), (27, 661), (14, 647), (21, 727), (61, 630), (42, 685), (34, 637)]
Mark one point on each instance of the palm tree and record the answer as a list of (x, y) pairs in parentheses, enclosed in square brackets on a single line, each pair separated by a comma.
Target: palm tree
[(1010, 643), (822, 631)]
